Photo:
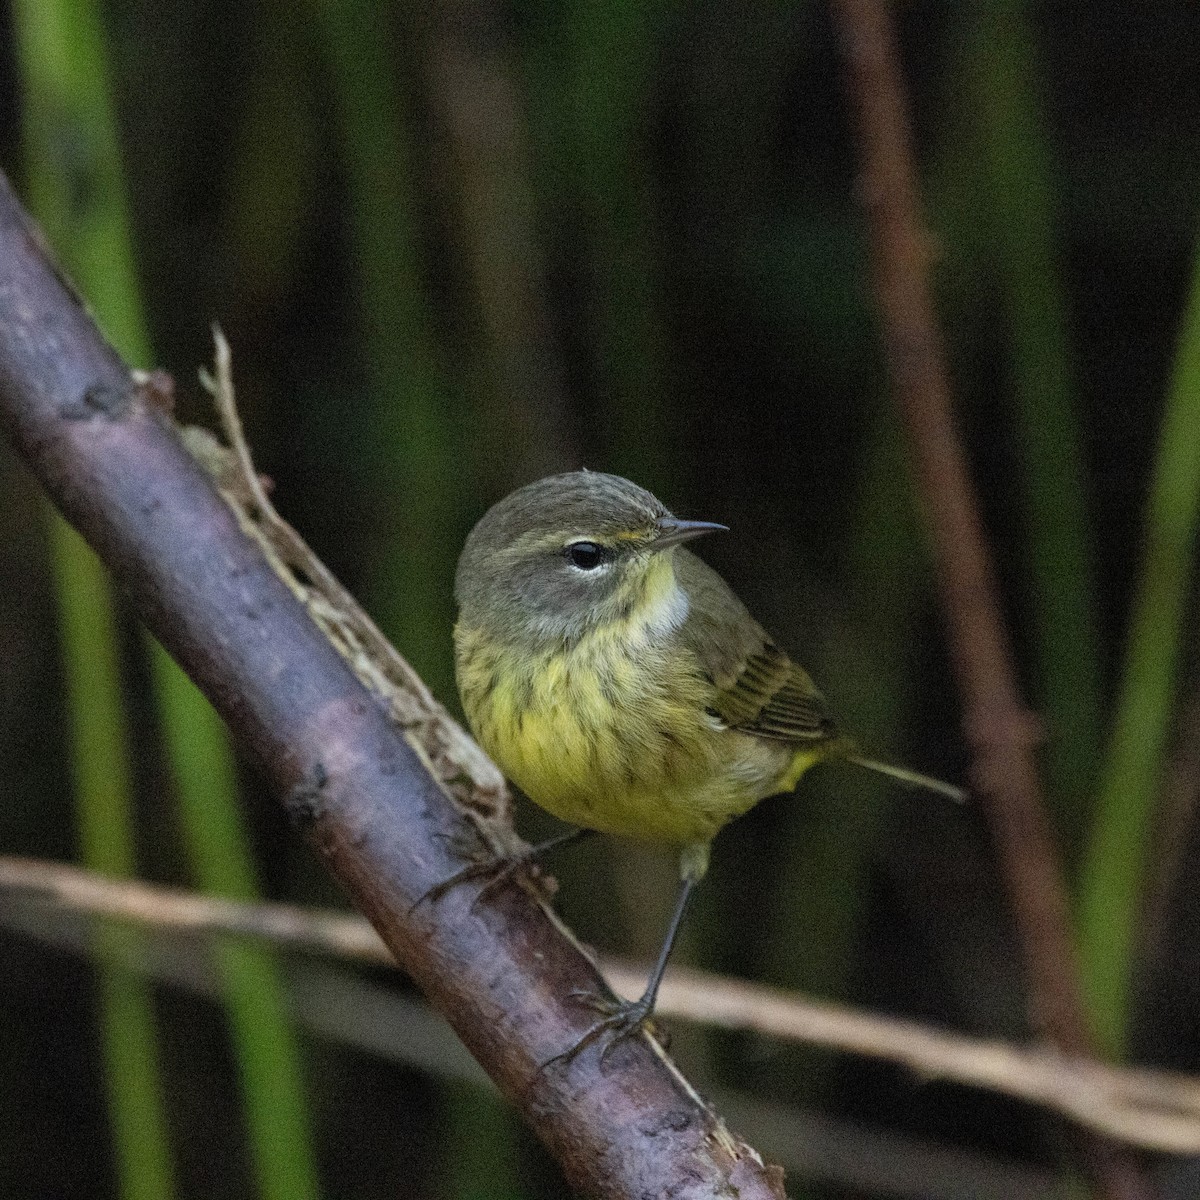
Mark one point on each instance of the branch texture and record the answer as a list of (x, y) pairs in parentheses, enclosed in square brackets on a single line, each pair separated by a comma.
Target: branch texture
[(1001, 730), (110, 458)]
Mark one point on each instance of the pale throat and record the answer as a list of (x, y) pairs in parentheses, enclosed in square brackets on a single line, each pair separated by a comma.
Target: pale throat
[(660, 605)]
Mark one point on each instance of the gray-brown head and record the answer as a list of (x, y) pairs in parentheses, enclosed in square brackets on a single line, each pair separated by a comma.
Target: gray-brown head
[(564, 554)]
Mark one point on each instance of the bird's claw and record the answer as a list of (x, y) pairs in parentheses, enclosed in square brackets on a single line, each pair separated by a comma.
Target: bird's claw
[(620, 1020), (497, 872)]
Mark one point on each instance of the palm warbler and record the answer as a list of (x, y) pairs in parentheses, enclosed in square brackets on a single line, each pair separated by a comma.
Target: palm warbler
[(620, 684)]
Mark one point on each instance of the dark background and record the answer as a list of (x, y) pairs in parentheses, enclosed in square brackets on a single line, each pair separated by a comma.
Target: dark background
[(459, 246)]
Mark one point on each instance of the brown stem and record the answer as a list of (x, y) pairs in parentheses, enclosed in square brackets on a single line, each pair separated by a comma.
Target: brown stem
[(1001, 731), (478, 103), (109, 457)]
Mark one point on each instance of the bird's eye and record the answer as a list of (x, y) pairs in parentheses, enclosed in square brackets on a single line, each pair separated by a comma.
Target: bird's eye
[(587, 556)]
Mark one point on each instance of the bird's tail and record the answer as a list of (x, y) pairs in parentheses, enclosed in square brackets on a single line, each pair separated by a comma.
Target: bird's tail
[(913, 779)]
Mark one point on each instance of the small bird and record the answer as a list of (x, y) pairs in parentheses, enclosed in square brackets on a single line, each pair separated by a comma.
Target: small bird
[(620, 683)]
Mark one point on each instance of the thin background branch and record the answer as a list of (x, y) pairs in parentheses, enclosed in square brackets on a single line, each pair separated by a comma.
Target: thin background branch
[(378, 1018), (1000, 729), (1153, 1110)]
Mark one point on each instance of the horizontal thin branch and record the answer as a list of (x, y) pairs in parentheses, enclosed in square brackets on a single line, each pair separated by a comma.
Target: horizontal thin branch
[(1149, 1109), (351, 1008)]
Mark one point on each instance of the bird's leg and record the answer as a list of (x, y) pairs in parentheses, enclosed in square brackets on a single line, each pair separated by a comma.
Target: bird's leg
[(623, 1018), (498, 871)]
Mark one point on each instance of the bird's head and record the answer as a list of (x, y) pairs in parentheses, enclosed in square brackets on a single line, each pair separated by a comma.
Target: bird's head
[(569, 554)]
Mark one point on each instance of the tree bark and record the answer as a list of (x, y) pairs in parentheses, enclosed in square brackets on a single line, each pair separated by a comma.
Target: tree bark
[(501, 971)]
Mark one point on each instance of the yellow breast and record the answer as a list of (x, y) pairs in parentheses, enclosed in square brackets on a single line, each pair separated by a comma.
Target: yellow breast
[(612, 732)]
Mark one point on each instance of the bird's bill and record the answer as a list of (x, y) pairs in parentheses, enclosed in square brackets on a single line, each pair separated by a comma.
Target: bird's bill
[(672, 531)]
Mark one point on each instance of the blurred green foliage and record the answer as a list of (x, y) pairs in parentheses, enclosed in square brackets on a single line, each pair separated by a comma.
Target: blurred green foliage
[(1122, 829), (74, 183), (461, 245)]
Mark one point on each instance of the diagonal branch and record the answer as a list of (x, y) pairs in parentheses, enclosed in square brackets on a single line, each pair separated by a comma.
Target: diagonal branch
[(110, 458), (1000, 729)]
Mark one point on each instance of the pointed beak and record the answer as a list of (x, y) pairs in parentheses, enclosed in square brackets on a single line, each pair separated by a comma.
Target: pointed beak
[(672, 531)]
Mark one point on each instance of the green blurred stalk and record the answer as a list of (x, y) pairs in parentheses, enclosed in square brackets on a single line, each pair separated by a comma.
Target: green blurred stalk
[(483, 1163), (888, 573), (411, 451), (76, 190), (590, 95), (1114, 870), (73, 166), (104, 790), (588, 73), (268, 1053), (613, 48), (273, 177), (1015, 160)]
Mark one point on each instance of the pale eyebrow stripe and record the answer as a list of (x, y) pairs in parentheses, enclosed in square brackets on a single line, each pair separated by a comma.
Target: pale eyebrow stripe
[(557, 541)]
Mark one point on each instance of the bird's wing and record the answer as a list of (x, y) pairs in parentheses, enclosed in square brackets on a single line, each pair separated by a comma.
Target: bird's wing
[(774, 698), (757, 688)]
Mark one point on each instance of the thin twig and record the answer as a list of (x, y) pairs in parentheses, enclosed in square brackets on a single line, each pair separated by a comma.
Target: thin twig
[(468, 774), (1149, 1109), (1000, 729), (476, 98)]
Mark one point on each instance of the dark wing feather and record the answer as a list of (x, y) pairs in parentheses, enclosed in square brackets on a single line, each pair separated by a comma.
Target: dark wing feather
[(775, 699), (758, 689)]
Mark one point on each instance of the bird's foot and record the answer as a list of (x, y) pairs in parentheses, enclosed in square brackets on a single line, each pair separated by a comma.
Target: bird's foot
[(499, 870), (620, 1020), (496, 871)]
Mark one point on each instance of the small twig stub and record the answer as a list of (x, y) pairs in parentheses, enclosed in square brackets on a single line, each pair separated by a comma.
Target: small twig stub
[(469, 776)]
